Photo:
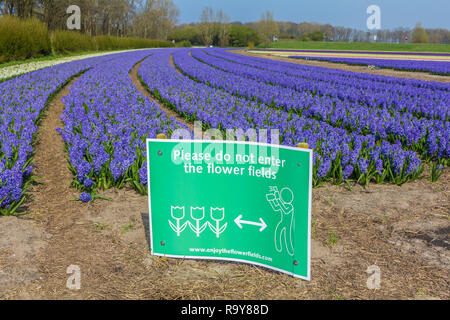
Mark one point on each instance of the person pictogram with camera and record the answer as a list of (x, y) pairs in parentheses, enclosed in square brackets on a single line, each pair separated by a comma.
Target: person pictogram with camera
[(281, 201)]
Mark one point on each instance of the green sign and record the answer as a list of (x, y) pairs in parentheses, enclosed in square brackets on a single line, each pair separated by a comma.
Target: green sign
[(229, 200)]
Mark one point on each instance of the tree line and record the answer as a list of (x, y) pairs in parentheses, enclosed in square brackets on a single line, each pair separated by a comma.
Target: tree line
[(152, 19), (215, 28), (344, 34), (157, 19)]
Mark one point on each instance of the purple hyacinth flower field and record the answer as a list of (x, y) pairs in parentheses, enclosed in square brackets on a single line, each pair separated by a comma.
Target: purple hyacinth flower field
[(362, 127), (74, 180)]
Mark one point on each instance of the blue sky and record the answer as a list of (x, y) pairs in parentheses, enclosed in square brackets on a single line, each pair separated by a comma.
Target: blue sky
[(349, 13)]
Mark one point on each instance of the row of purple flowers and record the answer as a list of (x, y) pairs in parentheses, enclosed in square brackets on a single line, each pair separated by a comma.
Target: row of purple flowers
[(421, 98), (363, 52), (433, 67), (338, 155), (106, 123), (22, 102), (428, 137)]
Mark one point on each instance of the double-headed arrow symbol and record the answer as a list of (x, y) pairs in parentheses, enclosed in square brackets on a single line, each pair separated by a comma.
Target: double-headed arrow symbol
[(261, 224)]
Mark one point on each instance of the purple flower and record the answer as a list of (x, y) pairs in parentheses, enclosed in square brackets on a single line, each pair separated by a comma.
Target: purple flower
[(324, 169), (4, 195), (354, 157), (345, 160), (398, 163), (16, 194), (28, 171), (143, 175), (347, 172), (85, 197), (83, 169), (413, 164), (88, 183), (363, 164), (379, 166), (115, 169)]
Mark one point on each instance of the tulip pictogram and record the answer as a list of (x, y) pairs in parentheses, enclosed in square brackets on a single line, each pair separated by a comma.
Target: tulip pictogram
[(217, 214), (177, 213), (198, 213)]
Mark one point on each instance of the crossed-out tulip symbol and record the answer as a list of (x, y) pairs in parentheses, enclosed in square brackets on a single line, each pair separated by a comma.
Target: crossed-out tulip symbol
[(177, 213), (217, 214), (198, 213)]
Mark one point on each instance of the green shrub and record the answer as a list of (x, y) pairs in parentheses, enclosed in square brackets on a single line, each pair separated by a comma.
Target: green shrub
[(72, 41), (191, 34), (317, 36), (305, 38), (69, 41), (184, 44), (419, 34), (29, 38), (117, 43), (22, 39), (241, 36), (104, 43)]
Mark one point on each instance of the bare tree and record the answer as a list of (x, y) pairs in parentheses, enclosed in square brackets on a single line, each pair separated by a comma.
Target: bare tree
[(20, 8), (267, 27), (206, 26), (223, 25), (419, 34), (155, 18)]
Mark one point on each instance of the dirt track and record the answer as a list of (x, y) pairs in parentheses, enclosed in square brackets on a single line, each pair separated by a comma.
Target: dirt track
[(403, 230), (386, 72), (141, 88)]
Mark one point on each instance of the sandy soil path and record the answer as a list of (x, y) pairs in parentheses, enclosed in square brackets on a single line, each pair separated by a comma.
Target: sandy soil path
[(386, 72), (144, 91)]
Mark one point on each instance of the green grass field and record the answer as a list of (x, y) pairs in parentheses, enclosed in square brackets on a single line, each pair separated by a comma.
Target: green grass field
[(361, 46)]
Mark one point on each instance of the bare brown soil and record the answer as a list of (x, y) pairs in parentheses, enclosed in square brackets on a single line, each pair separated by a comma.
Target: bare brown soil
[(386, 72), (403, 230), (141, 88), (172, 63)]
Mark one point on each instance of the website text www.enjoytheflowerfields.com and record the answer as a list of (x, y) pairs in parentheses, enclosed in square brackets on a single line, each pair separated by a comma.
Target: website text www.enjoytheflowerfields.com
[(231, 251)]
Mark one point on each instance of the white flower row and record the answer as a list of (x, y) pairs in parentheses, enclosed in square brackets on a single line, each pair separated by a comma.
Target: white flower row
[(16, 70)]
